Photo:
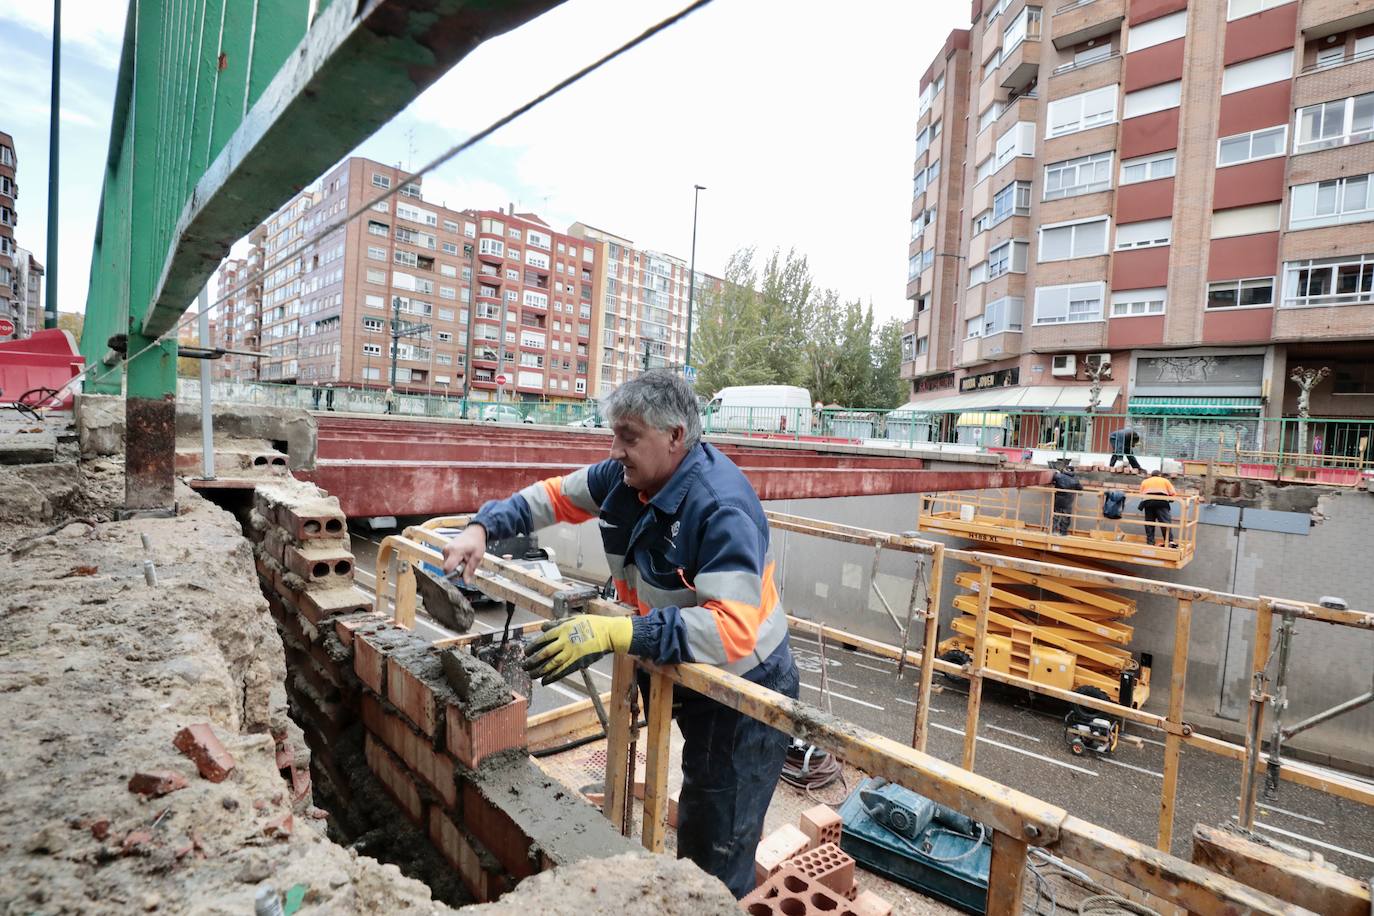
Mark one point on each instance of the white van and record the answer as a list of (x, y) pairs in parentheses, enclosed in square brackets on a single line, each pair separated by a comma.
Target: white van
[(780, 409)]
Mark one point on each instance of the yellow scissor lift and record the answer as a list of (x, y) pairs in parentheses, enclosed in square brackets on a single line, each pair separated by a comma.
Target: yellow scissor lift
[(1059, 630)]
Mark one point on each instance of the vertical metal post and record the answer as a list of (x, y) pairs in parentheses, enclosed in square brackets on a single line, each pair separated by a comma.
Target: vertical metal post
[(692, 276), (207, 422), (54, 156)]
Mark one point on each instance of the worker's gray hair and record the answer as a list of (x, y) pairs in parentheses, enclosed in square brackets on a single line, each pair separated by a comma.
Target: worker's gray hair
[(662, 399)]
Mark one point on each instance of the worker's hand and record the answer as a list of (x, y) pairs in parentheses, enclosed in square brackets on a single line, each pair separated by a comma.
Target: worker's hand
[(569, 645), (463, 554)]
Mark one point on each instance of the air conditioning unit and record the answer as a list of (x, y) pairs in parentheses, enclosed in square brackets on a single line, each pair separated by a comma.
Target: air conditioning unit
[(1064, 366), (1104, 360)]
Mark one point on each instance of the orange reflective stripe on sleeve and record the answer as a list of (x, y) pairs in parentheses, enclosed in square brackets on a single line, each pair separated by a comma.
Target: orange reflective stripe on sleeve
[(738, 622), (564, 509), (626, 595)]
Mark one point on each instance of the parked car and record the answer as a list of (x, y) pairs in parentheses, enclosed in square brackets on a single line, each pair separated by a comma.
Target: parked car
[(590, 421), (503, 413)]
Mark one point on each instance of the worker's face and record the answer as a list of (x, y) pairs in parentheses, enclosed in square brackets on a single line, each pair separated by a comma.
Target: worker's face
[(649, 456)]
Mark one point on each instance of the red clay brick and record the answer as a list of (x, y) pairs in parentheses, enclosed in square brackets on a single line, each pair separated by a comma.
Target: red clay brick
[(435, 768), (369, 662), (274, 543), (135, 840), (413, 697), (497, 832), (870, 904), (211, 758), (100, 829), (494, 731), (345, 629), (320, 564), (775, 849), (478, 869), (392, 774), (156, 783), (790, 891), (821, 825), (317, 605), (829, 865), (313, 522)]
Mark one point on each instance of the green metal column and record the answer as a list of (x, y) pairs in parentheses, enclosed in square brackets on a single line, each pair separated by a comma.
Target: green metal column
[(150, 405)]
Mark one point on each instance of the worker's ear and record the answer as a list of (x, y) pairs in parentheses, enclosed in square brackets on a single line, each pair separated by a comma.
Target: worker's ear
[(677, 436)]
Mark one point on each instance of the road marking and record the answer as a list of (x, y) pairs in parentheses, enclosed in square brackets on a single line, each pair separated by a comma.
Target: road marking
[(1150, 741), (1301, 817), (840, 696), (1130, 766), (835, 680), (1017, 734), (933, 707), (871, 668), (1017, 750), (1307, 839)]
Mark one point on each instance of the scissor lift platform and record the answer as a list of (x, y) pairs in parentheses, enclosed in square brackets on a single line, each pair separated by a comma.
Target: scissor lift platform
[(1057, 629)]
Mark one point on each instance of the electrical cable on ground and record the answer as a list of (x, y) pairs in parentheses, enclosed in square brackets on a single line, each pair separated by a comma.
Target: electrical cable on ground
[(439, 160)]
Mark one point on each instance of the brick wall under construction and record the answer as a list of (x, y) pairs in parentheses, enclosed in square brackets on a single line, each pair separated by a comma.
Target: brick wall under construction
[(389, 732)]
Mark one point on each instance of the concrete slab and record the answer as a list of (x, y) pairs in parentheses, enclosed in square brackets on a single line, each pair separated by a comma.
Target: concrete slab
[(1282, 522), (28, 447)]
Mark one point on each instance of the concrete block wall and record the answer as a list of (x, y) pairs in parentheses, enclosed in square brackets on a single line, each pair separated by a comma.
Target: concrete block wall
[(394, 749)]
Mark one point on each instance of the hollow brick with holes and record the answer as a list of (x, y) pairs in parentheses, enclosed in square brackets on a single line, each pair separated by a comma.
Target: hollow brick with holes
[(435, 768), (313, 521), (333, 565), (829, 865), (497, 832), (775, 849), (791, 893), (318, 605), (821, 824)]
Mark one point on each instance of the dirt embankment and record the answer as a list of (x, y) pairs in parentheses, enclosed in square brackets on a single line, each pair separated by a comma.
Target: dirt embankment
[(98, 673)]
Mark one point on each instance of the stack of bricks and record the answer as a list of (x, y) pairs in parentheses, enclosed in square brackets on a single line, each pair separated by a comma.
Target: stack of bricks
[(439, 730), (803, 870)]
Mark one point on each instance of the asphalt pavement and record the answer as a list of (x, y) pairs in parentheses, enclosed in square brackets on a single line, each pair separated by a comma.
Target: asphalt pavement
[(1021, 744)]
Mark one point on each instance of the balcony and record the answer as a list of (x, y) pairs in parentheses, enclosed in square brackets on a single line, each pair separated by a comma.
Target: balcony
[(1075, 23), (1021, 66), (1320, 18)]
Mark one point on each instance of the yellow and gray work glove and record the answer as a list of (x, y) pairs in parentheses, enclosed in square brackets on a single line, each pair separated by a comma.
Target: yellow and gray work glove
[(569, 645)]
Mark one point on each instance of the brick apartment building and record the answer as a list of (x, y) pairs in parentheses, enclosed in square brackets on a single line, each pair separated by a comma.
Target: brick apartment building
[(642, 309), (12, 304), (322, 311), (1182, 189)]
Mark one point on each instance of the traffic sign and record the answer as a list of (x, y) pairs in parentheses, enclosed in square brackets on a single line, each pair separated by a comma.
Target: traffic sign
[(6, 327), (501, 380), (690, 372)]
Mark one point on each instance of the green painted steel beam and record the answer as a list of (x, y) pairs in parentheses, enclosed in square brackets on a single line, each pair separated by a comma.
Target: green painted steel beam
[(359, 64)]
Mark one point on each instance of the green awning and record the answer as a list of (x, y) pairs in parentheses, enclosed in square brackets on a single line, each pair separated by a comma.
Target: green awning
[(1195, 407)]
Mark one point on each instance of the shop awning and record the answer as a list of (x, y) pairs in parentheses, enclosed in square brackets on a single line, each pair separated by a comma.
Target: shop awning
[(1048, 398), (1195, 406), (989, 418)]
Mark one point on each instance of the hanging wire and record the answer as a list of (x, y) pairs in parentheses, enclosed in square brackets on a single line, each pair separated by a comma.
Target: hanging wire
[(439, 160)]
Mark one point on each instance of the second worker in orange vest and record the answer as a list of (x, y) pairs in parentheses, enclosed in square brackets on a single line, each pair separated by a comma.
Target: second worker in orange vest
[(1157, 509)]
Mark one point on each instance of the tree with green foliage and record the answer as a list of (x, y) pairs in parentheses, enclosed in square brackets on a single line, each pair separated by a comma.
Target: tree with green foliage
[(730, 344), (889, 388)]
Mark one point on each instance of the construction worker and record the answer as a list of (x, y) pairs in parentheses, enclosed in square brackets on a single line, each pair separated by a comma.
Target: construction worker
[(1123, 442), (688, 546), (1065, 482), (1156, 509)]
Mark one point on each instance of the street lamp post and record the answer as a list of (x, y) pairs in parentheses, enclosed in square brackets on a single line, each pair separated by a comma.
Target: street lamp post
[(692, 275)]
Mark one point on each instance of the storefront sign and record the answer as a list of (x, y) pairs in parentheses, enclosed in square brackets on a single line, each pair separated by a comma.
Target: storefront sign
[(935, 383), (1002, 378)]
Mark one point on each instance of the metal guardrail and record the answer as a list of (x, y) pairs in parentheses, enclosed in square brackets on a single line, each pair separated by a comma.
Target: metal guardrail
[(1340, 448)]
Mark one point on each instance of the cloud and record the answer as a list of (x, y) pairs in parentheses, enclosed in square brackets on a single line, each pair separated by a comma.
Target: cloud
[(93, 27)]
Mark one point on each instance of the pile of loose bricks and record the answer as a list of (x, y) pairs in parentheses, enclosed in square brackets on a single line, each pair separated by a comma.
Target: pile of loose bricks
[(802, 870), (445, 737)]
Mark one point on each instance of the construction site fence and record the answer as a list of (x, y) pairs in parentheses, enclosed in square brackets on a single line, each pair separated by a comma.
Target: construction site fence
[(1256, 446)]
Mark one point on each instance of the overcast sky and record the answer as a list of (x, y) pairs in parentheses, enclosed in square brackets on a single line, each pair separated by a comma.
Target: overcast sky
[(797, 116)]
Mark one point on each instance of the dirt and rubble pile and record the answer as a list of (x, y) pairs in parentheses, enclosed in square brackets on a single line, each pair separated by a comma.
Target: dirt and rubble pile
[(98, 674)]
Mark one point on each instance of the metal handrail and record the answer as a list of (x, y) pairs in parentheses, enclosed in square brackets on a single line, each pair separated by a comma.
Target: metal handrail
[(1076, 65)]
